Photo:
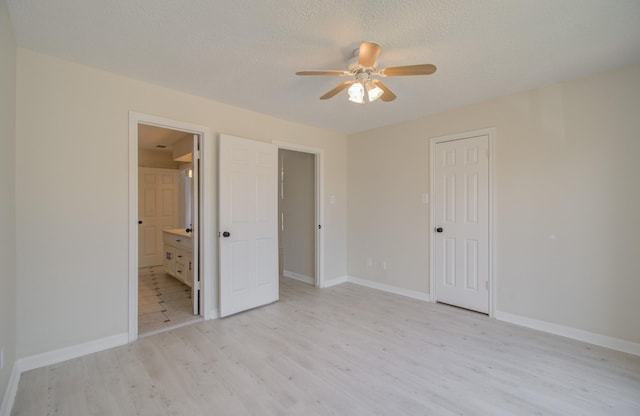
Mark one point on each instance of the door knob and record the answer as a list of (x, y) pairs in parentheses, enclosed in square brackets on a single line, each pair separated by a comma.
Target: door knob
[(439, 230), (226, 234)]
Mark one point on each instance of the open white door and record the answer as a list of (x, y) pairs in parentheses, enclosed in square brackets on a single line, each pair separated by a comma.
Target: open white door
[(196, 293), (248, 224)]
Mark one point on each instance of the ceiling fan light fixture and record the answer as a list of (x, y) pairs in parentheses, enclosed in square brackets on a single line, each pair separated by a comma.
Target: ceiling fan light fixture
[(373, 91), (362, 68), (356, 93)]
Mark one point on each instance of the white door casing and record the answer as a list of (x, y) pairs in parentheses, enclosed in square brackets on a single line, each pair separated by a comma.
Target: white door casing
[(158, 208), (196, 294), (248, 224), (461, 222)]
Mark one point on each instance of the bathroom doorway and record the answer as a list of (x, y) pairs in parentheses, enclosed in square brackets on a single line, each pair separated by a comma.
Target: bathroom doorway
[(166, 238), (166, 244)]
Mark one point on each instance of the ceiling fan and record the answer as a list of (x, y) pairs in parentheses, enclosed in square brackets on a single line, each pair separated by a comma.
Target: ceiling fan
[(363, 69)]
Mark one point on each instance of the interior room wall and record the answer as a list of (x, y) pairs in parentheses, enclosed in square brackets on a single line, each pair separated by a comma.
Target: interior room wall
[(298, 209), (73, 212), (7, 196), (566, 201)]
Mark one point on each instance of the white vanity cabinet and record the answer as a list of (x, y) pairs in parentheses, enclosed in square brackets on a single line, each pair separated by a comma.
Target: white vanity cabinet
[(178, 254)]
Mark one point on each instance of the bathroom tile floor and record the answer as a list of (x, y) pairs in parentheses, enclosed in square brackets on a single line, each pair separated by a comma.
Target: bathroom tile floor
[(163, 301)]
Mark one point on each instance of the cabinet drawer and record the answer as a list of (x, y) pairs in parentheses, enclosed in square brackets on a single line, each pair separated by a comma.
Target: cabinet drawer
[(178, 241), (183, 275), (182, 257)]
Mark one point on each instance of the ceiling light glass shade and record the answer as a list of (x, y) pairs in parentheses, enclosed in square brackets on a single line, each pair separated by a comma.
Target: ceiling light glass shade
[(373, 91), (356, 93)]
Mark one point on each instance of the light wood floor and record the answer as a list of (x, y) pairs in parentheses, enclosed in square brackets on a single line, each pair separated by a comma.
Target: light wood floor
[(345, 350)]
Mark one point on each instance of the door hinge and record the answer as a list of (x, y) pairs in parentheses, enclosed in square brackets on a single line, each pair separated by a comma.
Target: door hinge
[(196, 154), (319, 227), (196, 285)]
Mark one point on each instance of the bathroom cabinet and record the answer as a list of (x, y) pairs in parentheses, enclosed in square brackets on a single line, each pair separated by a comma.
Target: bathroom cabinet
[(178, 254)]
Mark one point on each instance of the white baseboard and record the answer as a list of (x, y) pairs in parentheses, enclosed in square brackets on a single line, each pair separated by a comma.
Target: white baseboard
[(68, 353), (213, 314), (569, 332), (333, 282), (298, 276), (53, 357), (391, 289), (10, 392), (556, 329)]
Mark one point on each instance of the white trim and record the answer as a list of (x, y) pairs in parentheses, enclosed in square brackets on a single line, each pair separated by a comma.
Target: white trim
[(569, 332), (414, 294), (299, 277), (334, 282), (10, 392), (133, 230), (491, 133), (206, 224), (195, 320), (208, 211), (213, 314), (319, 196), (74, 351), (54, 357)]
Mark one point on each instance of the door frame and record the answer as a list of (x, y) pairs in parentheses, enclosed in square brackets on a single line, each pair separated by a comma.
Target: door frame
[(491, 133), (319, 192), (207, 211)]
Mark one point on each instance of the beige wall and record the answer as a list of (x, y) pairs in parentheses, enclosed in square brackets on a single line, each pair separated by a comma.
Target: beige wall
[(298, 208), (7, 196), (73, 212), (566, 164)]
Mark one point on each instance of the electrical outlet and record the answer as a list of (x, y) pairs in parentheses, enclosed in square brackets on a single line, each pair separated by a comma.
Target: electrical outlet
[(369, 262), (383, 265)]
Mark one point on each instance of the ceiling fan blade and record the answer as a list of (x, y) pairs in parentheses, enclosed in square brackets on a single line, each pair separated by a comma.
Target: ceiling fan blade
[(424, 69), (387, 95), (368, 53), (321, 72), (336, 90)]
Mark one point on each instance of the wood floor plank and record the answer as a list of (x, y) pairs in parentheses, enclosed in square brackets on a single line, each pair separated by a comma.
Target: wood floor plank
[(345, 350)]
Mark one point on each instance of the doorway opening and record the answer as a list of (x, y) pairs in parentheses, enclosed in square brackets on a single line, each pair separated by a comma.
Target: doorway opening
[(248, 222), (167, 234), (299, 213)]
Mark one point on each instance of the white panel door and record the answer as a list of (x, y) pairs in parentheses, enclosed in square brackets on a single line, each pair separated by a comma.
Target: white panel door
[(158, 208), (248, 224), (461, 227)]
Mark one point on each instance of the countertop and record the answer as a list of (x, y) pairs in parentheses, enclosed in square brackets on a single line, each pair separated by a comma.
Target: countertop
[(177, 231)]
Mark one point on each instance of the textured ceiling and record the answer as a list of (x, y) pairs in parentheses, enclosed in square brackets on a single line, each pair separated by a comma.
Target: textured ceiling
[(246, 52)]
